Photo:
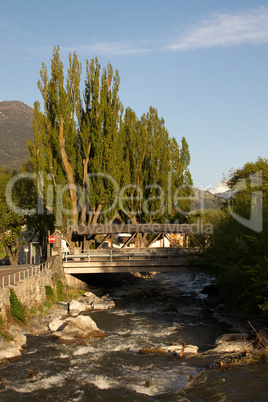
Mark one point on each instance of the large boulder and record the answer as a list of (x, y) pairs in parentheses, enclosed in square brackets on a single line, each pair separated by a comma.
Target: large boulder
[(78, 329), (76, 305), (89, 297), (83, 322)]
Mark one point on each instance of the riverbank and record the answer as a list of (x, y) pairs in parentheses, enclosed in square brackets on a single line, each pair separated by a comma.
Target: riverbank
[(168, 309)]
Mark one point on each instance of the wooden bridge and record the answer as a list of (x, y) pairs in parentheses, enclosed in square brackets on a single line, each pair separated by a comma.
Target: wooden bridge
[(133, 260)]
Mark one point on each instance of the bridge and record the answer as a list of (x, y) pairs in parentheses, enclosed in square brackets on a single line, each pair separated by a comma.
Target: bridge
[(133, 260)]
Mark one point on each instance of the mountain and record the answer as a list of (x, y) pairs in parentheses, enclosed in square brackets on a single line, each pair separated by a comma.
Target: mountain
[(222, 191), (15, 127), (204, 200)]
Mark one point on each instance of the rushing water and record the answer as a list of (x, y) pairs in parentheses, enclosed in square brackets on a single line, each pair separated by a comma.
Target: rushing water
[(111, 369)]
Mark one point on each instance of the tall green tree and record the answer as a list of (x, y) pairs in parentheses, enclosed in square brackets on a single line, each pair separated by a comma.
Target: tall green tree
[(239, 253), (89, 155), (77, 143), (101, 142), (156, 174), (11, 223)]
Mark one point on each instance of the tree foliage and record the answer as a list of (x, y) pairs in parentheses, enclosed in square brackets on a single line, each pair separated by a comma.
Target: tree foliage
[(11, 223), (97, 160), (239, 254)]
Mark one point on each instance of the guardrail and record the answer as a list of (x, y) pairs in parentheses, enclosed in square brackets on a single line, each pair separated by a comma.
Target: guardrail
[(22, 274), (113, 255)]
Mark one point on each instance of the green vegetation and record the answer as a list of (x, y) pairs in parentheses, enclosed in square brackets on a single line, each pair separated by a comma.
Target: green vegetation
[(17, 309), (3, 331), (60, 291), (124, 164), (49, 291), (11, 223), (238, 252)]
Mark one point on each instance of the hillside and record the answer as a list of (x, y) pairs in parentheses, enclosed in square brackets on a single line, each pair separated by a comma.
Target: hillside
[(204, 200), (15, 127)]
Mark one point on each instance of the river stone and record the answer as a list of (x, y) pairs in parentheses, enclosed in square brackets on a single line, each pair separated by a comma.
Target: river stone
[(70, 340), (89, 296), (78, 329), (174, 350), (37, 327), (20, 339), (83, 322), (232, 347), (10, 353), (232, 337), (103, 304), (74, 313), (76, 305), (56, 325)]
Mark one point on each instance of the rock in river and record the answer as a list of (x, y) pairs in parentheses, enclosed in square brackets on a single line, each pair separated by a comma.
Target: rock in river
[(174, 350), (78, 328)]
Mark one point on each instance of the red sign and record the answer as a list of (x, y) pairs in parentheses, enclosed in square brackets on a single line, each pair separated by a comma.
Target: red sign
[(51, 239)]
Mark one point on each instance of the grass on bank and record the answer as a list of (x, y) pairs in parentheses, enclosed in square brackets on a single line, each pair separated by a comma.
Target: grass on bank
[(20, 314), (60, 293), (3, 331)]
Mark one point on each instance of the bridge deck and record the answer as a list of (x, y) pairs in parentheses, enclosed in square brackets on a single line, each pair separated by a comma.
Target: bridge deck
[(110, 261)]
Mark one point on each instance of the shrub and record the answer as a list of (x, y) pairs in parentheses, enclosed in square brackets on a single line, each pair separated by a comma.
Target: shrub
[(18, 311), (60, 293), (49, 291), (3, 332)]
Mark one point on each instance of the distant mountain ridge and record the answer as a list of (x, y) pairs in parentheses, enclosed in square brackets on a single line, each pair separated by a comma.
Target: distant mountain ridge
[(15, 127), (222, 191)]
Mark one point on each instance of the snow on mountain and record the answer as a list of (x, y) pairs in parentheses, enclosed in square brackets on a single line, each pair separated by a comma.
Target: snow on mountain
[(222, 190)]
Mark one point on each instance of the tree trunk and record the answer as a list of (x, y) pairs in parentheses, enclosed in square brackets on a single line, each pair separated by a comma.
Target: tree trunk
[(12, 255), (70, 174), (85, 189)]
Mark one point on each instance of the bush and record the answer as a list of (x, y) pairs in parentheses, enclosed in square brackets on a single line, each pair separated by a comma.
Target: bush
[(238, 256), (60, 293), (17, 309), (3, 332), (49, 291)]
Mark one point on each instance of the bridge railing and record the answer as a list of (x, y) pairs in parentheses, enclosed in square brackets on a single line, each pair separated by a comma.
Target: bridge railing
[(22, 274), (131, 254)]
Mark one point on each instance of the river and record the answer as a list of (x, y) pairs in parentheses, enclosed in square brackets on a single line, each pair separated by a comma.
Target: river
[(111, 369)]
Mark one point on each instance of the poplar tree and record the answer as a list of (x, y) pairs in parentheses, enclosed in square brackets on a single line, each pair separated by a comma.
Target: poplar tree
[(85, 150), (77, 143)]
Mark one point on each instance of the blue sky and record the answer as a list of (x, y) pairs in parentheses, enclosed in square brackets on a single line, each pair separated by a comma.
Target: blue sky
[(202, 64)]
